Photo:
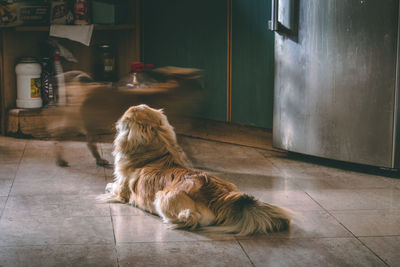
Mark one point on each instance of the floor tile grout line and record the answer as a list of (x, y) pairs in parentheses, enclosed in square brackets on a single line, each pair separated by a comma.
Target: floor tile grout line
[(13, 180), (363, 209), (309, 237), (234, 144), (362, 243), (367, 236), (244, 251), (99, 244), (110, 210), (277, 168), (61, 217), (115, 238), (180, 241)]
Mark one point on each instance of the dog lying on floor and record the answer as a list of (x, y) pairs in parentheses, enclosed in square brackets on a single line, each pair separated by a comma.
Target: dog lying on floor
[(151, 173)]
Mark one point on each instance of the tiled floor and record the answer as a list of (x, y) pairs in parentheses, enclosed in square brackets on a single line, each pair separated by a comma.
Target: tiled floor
[(49, 216)]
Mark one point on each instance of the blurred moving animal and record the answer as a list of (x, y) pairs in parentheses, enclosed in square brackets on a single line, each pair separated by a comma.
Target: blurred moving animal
[(93, 108), (151, 172)]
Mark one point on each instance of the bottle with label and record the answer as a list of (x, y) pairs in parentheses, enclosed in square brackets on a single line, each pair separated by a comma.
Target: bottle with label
[(58, 12), (105, 65), (28, 72), (47, 86), (59, 73), (81, 12)]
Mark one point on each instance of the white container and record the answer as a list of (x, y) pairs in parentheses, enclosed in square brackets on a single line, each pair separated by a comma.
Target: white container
[(28, 72)]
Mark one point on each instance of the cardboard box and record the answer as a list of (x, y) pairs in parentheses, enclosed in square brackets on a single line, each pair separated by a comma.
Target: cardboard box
[(23, 13)]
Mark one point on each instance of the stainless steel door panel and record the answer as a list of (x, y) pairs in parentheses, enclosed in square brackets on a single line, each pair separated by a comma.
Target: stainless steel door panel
[(335, 80)]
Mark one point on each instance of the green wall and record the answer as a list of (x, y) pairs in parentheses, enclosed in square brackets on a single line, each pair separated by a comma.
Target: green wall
[(188, 33), (252, 63), (194, 34)]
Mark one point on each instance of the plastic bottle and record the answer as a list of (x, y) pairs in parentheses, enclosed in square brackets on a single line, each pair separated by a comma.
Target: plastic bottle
[(45, 78), (136, 69), (28, 72), (138, 77), (61, 91), (105, 67)]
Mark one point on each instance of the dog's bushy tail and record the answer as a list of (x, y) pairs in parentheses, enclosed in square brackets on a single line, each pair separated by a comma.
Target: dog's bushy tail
[(242, 214)]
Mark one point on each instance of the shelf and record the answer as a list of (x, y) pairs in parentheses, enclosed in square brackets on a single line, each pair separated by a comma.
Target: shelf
[(96, 28)]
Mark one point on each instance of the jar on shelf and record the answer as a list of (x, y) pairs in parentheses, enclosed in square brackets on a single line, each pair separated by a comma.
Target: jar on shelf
[(105, 65), (81, 12), (28, 72)]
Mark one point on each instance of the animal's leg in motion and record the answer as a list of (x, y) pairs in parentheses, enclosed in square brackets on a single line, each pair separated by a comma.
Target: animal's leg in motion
[(95, 152), (59, 149), (178, 208)]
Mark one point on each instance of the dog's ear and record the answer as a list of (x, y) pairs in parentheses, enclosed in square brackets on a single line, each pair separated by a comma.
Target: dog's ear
[(123, 124), (121, 139)]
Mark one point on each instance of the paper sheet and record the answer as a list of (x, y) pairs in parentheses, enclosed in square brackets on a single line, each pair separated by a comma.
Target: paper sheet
[(78, 33)]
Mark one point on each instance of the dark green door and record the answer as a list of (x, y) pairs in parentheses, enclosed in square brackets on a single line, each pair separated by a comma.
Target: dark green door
[(252, 63), (189, 33)]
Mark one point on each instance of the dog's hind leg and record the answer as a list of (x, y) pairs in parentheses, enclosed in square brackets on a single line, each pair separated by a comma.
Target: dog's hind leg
[(178, 208)]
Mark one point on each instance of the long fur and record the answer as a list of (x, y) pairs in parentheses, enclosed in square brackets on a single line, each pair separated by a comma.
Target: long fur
[(151, 171)]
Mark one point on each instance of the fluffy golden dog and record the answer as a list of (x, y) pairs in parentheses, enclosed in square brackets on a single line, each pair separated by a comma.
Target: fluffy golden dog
[(151, 173)]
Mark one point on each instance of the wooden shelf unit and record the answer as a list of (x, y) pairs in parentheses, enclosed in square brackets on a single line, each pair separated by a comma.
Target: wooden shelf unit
[(22, 41)]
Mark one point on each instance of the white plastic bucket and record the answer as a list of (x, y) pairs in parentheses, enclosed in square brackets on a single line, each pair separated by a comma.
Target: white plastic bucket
[(28, 72)]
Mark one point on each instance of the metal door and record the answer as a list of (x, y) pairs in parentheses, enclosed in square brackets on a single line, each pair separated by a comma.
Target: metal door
[(335, 78)]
